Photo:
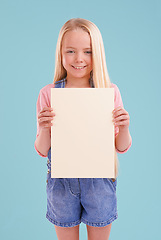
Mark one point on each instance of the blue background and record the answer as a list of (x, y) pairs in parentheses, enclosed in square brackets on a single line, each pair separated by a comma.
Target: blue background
[(132, 37)]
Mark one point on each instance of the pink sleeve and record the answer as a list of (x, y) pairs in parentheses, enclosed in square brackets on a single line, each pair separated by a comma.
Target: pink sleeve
[(42, 101), (118, 103)]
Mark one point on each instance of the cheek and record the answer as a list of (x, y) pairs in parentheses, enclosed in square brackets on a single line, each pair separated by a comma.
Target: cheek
[(89, 60), (65, 61)]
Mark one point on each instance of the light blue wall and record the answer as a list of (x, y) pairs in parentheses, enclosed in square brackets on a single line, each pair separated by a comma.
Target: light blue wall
[(132, 37)]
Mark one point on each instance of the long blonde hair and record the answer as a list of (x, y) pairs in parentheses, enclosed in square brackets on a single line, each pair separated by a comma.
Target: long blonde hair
[(99, 73)]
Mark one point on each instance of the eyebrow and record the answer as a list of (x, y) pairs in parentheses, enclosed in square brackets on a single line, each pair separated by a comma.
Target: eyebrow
[(83, 48)]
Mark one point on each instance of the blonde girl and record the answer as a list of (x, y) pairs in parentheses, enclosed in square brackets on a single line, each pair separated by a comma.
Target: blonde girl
[(80, 63)]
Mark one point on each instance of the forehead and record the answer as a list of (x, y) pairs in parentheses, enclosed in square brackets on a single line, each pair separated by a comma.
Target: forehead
[(76, 38)]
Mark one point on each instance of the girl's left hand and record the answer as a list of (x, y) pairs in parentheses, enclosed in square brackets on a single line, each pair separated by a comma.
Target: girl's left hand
[(121, 118)]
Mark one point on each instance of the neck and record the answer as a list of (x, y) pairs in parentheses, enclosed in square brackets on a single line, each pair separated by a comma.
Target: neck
[(77, 83)]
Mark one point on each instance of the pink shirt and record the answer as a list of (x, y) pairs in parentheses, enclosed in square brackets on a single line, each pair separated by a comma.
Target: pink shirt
[(44, 100)]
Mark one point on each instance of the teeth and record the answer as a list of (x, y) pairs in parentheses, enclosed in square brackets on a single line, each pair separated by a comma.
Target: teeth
[(78, 67)]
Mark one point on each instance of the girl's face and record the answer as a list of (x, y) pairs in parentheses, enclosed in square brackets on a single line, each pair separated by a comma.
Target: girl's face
[(77, 54)]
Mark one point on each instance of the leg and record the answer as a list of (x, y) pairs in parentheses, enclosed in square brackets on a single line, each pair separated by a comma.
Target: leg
[(98, 233), (67, 233)]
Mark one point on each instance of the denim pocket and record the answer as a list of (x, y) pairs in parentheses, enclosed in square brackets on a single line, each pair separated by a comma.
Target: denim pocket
[(113, 182)]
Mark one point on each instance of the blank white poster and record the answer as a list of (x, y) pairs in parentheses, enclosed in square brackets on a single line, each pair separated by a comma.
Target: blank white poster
[(82, 135)]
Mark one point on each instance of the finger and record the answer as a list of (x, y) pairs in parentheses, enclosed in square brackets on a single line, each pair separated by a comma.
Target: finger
[(120, 118), (46, 109), (45, 119), (47, 125), (122, 123), (120, 112), (120, 109), (46, 114), (116, 109)]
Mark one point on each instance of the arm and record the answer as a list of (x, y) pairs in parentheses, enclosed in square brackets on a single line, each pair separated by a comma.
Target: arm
[(43, 140), (42, 143), (121, 120)]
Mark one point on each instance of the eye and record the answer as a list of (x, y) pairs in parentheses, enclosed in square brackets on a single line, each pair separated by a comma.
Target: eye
[(70, 51), (88, 52)]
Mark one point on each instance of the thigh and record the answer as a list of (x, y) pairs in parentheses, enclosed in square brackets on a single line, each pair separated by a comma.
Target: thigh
[(63, 205), (67, 233), (99, 201), (98, 233)]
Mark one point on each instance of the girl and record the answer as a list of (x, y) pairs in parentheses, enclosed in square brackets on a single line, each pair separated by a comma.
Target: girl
[(80, 63)]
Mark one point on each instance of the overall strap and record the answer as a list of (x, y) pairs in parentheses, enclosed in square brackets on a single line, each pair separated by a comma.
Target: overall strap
[(60, 83)]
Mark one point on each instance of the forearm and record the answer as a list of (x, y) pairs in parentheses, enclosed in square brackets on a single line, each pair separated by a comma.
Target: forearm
[(123, 140), (43, 141)]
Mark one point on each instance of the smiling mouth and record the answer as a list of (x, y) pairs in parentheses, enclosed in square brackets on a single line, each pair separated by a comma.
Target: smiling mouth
[(79, 68)]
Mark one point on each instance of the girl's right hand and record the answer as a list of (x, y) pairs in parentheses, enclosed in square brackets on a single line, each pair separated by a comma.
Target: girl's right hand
[(45, 117)]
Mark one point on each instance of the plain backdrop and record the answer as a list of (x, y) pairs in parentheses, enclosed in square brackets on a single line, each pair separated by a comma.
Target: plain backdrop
[(132, 36)]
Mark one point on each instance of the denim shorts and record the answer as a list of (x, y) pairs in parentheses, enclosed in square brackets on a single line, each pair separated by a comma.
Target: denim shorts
[(71, 201)]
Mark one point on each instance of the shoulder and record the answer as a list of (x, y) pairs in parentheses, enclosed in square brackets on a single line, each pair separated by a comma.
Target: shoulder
[(118, 99), (45, 95), (115, 87), (46, 89)]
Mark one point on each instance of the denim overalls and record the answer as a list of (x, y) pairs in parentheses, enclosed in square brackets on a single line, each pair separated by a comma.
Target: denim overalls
[(71, 201)]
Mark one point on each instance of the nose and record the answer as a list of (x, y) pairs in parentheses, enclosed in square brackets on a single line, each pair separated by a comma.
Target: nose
[(79, 57)]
